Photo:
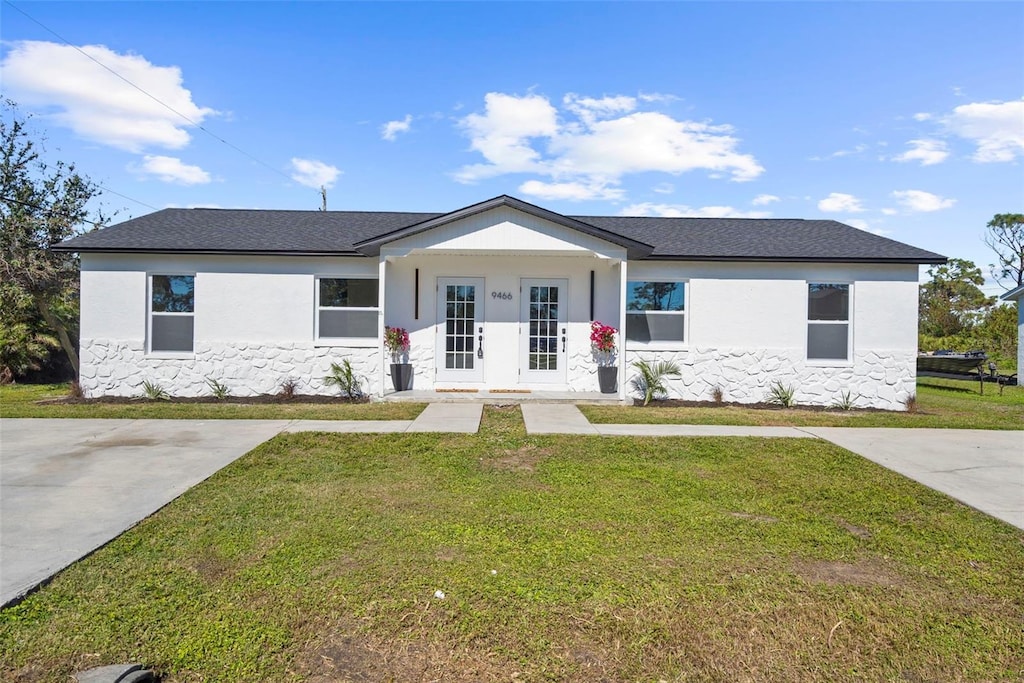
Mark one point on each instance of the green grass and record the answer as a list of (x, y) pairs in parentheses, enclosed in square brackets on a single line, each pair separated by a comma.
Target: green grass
[(941, 403), (20, 400), (562, 558)]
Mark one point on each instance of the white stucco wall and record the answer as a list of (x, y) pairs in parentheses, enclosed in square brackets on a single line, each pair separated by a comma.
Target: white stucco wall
[(254, 322), (748, 329), (254, 319)]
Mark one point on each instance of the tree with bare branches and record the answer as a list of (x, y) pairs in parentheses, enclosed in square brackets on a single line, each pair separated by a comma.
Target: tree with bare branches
[(1005, 237)]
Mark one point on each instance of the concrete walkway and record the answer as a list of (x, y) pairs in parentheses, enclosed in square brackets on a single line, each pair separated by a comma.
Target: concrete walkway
[(68, 487)]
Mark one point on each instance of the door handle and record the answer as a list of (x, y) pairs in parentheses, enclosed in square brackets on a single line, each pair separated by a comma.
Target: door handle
[(480, 344), (563, 340)]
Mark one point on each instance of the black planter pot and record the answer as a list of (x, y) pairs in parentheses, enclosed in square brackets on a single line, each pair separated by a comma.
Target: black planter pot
[(401, 376), (608, 378)]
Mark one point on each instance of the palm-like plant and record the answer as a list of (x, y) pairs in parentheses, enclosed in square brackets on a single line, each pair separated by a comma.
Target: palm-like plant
[(651, 380)]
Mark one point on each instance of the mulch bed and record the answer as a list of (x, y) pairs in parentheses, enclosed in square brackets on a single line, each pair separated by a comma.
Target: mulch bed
[(263, 399), (679, 403)]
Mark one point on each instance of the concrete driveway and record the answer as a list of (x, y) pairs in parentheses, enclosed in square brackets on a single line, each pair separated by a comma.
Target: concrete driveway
[(982, 468), (69, 486)]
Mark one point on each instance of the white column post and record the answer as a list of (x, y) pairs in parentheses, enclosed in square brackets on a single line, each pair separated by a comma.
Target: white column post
[(382, 269), (622, 329)]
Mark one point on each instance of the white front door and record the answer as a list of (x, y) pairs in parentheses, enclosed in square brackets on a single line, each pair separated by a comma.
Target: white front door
[(543, 330), (460, 329)]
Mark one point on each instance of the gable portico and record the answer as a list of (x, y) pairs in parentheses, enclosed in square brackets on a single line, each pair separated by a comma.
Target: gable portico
[(501, 299)]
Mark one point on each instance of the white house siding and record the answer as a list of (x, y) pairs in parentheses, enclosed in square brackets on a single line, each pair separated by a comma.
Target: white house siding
[(254, 325), (747, 329), (502, 317)]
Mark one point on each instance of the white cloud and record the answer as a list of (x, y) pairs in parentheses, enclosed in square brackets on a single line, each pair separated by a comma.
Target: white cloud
[(928, 151), (889, 212), (313, 173), (390, 130), (837, 202), (590, 109), (591, 143), (764, 199), (684, 211), (920, 201), (171, 170), (664, 188), (572, 191), (859, 149), (922, 116), (78, 93), (997, 128)]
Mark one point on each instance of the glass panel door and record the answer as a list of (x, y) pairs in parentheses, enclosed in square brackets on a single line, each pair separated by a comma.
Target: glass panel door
[(544, 330), (460, 330)]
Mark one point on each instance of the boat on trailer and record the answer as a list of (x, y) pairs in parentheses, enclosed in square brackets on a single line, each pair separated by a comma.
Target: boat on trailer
[(942, 363)]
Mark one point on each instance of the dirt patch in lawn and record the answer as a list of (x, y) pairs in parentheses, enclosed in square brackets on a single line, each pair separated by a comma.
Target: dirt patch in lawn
[(522, 459), (863, 572), (347, 654)]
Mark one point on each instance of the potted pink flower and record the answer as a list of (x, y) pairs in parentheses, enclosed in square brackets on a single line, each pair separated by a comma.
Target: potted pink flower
[(602, 341), (396, 341)]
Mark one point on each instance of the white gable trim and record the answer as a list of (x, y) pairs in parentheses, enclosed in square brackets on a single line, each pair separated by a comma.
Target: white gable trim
[(507, 230)]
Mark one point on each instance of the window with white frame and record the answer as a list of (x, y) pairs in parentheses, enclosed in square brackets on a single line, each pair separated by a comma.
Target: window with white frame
[(172, 313), (828, 321), (347, 308), (655, 312)]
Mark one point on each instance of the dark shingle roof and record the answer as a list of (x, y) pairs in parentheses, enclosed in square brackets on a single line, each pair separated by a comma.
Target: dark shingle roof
[(252, 231), (244, 231), (769, 239)]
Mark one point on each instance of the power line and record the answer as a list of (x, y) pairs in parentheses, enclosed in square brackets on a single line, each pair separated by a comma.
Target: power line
[(147, 94), (51, 212), (131, 199)]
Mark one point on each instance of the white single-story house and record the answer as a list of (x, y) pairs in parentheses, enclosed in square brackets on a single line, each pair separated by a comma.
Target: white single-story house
[(1017, 294), (496, 296)]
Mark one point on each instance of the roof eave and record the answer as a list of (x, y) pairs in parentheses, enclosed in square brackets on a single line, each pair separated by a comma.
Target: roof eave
[(634, 248), (209, 252), (800, 259)]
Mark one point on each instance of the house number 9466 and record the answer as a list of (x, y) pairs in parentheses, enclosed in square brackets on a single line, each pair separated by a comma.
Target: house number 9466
[(507, 296)]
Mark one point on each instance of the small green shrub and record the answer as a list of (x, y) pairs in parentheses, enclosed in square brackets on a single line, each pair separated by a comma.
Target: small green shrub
[(781, 395), (650, 383), (218, 390), (155, 392), (344, 378), (846, 401)]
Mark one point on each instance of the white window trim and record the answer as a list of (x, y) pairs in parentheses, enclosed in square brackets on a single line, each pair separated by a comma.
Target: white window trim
[(353, 342), (632, 345), (829, 362), (184, 355)]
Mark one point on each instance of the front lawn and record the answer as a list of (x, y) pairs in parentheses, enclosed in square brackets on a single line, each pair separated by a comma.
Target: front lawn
[(557, 558), (941, 403), (21, 400)]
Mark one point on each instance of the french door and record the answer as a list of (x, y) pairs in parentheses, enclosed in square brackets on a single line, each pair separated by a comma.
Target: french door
[(460, 330), (543, 327)]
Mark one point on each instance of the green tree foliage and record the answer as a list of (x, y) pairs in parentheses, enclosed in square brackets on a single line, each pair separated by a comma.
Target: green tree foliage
[(952, 302), (995, 333), (41, 204), (1005, 237)]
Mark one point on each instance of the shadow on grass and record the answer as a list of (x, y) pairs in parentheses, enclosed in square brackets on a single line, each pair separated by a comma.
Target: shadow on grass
[(946, 387)]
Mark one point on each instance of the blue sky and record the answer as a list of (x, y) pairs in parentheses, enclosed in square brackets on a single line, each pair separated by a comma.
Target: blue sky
[(902, 119)]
